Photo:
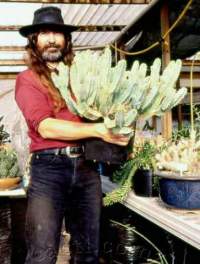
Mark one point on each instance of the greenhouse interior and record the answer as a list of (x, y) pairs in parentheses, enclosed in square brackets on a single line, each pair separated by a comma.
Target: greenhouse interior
[(100, 132)]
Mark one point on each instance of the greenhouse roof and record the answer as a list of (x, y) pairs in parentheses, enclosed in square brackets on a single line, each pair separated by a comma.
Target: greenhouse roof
[(134, 23), (99, 24)]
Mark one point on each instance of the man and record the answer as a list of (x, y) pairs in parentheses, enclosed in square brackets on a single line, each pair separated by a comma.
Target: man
[(63, 184)]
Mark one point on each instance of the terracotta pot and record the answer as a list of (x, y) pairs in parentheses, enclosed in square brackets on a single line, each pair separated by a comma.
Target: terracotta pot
[(9, 183)]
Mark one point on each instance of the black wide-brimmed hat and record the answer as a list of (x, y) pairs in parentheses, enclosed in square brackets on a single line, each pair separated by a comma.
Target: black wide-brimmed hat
[(47, 17)]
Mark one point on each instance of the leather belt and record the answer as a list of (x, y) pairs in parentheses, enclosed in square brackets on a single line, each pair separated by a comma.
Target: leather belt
[(70, 151)]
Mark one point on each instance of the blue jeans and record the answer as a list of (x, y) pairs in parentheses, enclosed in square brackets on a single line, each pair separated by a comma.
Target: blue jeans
[(62, 188)]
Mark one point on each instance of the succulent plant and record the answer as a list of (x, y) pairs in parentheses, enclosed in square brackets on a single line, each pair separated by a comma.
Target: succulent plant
[(4, 136), (119, 96), (9, 167)]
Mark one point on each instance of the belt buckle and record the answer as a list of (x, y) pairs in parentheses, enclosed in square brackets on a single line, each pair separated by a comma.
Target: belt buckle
[(70, 155)]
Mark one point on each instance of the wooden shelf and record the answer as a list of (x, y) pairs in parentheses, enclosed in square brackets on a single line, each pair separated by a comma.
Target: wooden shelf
[(16, 193), (183, 224)]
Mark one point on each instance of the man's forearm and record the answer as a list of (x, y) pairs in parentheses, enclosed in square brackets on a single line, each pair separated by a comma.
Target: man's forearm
[(66, 130)]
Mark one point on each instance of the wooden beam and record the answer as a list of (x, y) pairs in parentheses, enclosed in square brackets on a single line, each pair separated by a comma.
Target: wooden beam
[(189, 62), (83, 1), (22, 48), (8, 76), (186, 75), (164, 15), (82, 28), (12, 48), (12, 63)]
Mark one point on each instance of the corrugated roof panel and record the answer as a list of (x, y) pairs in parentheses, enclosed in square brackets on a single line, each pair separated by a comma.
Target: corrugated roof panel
[(94, 14), (105, 15), (104, 38), (82, 11), (22, 14)]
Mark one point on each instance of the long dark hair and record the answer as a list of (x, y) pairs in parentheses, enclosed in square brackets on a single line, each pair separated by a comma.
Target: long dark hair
[(35, 62)]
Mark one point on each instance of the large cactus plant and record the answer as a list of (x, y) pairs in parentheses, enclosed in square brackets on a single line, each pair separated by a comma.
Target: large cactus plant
[(119, 96)]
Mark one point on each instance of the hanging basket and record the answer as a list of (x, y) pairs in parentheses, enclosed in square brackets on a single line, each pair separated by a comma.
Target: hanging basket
[(9, 183)]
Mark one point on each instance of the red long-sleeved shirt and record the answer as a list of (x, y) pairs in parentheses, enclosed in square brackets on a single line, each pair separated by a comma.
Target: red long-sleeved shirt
[(36, 105)]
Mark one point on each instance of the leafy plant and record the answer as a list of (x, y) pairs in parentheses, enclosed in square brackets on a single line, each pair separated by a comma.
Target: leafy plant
[(4, 136), (184, 132), (9, 167), (143, 157)]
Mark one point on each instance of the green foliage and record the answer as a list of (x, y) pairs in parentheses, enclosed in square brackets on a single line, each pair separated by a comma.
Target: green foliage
[(185, 131), (4, 136), (9, 167), (144, 157), (119, 194)]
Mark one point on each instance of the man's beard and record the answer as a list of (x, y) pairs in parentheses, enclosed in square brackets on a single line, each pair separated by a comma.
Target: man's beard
[(52, 53)]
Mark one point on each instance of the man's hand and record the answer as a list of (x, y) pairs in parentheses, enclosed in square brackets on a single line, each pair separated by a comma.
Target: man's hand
[(108, 136)]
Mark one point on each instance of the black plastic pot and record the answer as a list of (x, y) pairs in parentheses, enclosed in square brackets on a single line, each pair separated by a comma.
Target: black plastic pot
[(142, 182), (101, 151)]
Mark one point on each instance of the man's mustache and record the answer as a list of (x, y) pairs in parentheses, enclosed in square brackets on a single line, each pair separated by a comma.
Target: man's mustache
[(51, 46)]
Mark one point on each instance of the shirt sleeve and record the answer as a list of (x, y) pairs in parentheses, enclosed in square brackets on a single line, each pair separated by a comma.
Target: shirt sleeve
[(32, 102)]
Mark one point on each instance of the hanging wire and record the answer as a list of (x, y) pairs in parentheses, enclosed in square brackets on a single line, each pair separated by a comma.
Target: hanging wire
[(191, 91), (162, 37), (191, 95)]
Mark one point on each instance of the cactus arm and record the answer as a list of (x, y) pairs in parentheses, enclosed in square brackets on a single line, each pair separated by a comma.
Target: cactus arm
[(130, 117), (180, 94), (109, 123)]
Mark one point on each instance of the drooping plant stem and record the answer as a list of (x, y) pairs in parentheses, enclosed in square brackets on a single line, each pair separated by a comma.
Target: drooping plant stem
[(160, 254), (119, 194), (191, 92), (191, 95)]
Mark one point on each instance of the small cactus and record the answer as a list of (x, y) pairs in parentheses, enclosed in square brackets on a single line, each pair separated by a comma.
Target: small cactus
[(9, 166)]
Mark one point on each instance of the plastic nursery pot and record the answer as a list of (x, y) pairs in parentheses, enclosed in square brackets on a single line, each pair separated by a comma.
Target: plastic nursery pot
[(101, 151), (142, 182), (9, 183), (180, 191)]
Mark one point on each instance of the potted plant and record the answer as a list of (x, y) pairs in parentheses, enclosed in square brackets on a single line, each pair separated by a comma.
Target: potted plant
[(136, 171), (100, 91), (9, 168), (179, 173), (142, 183)]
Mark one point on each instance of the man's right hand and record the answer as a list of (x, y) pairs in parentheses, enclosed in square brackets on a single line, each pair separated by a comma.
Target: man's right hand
[(106, 135)]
